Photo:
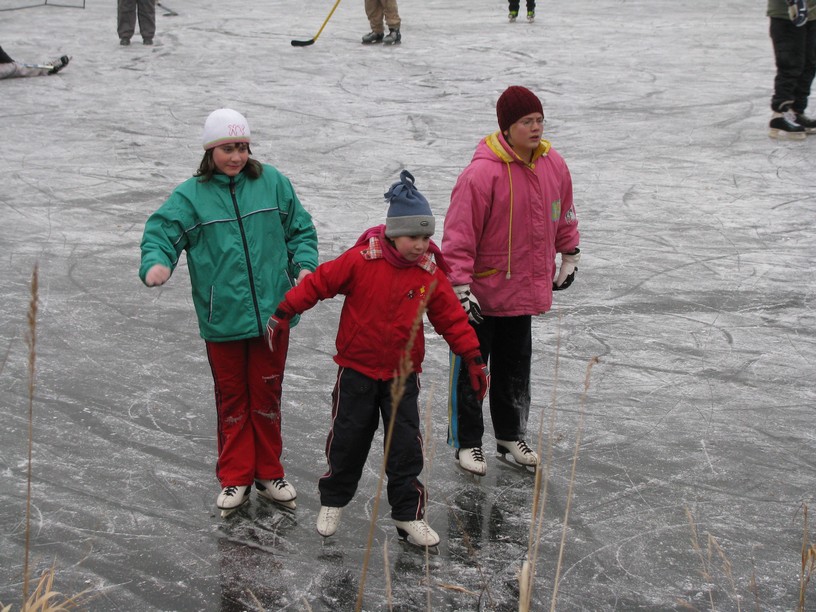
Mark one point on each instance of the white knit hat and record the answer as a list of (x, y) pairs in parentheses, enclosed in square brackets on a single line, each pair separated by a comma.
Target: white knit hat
[(224, 126)]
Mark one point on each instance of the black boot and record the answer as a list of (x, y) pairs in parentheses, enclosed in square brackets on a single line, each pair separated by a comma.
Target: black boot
[(393, 37)]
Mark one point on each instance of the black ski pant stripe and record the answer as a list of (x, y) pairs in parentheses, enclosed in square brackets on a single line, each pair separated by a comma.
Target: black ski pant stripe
[(506, 345), (358, 402), (795, 57)]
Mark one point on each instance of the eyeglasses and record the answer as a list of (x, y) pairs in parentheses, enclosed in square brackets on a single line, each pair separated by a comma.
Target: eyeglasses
[(528, 123)]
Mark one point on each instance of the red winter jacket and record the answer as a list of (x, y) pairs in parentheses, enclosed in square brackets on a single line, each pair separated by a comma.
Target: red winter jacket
[(381, 305)]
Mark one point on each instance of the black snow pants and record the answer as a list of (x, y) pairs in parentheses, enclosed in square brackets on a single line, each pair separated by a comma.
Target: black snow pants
[(507, 346), (357, 404), (795, 56), (514, 5)]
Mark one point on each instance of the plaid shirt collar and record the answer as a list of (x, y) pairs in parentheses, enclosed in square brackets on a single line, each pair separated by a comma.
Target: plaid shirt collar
[(375, 251)]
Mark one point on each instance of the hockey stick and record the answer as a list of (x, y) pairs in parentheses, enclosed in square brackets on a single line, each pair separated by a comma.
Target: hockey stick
[(168, 12), (311, 41)]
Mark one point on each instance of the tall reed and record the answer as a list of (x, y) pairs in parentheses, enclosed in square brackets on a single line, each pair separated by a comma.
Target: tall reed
[(44, 598), (406, 367)]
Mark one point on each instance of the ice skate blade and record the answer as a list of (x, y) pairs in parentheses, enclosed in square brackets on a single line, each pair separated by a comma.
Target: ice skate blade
[(284, 505), (290, 505), (476, 475), (227, 512), (409, 544), (783, 135), (530, 469)]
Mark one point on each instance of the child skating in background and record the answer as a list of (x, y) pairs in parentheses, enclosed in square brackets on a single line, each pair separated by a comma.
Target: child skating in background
[(248, 240), (514, 10), (385, 278)]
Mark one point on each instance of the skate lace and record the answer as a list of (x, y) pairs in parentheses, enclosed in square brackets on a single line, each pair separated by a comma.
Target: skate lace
[(522, 446), (230, 491), (421, 527), (477, 455), (329, 514), (280, 483)]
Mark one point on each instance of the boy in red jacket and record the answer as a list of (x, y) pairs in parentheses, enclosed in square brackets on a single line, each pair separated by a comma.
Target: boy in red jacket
[(391, 272)]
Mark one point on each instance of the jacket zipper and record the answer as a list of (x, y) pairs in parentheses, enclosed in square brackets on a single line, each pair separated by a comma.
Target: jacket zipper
[(246, 255)]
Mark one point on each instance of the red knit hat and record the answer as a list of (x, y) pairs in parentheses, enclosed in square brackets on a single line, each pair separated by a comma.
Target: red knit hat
[(515, 103)]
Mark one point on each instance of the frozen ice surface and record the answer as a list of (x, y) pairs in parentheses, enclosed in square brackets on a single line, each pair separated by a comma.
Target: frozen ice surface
[(696, 290)]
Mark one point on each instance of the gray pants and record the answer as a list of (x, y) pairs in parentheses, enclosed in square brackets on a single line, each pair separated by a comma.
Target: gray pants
[(126, 18)]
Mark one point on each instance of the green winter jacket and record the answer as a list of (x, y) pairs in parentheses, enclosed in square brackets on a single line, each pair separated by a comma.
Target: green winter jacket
[(779, 9), (246, 241)]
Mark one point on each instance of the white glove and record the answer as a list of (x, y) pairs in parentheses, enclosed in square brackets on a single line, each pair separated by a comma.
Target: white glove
[(469, 303), (157, 275), (569, 266)]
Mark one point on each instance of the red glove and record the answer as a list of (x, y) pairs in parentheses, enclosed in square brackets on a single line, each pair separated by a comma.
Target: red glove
[(277, 324), (479, 376)]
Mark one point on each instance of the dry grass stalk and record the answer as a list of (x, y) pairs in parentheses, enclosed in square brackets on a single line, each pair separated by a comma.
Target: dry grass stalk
[(474, 556), (726, 567), (752, 585), (704, 564), (389, 596), (542, 479), (406, 367), (578, 433), (707, 562), (456, 588), (45, 598), (430, 454), (808, 560), (255, 599), (31, 341)]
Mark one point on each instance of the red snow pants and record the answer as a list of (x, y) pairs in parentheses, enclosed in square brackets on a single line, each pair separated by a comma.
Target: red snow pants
[(248, 378)]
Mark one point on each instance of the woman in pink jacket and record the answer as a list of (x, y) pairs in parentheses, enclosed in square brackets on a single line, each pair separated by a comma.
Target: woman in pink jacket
[(511, 211)]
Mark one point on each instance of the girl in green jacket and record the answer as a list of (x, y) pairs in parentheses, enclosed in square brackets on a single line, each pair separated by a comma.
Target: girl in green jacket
[(247, 240)]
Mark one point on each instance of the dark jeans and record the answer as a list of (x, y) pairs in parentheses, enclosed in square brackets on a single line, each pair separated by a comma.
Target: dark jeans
[(514, 5), (357, 403), (506, 345), (795, 56), (4, 58)]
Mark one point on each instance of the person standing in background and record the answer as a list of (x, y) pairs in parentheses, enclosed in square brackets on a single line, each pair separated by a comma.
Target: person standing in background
[(127, 11), (514, 10), (377, 11), (793, 33), (510, 213)]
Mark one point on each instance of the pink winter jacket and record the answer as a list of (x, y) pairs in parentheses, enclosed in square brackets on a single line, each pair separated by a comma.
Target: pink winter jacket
[(506, 221)]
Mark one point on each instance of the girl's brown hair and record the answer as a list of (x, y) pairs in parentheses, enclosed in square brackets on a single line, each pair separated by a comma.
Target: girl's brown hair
[(206, 169)]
